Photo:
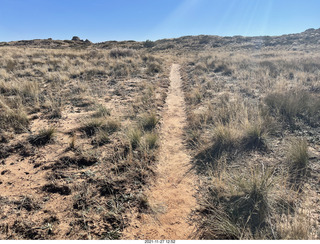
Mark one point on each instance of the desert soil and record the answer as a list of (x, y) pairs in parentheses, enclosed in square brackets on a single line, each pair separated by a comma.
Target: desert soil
[(171, 197)]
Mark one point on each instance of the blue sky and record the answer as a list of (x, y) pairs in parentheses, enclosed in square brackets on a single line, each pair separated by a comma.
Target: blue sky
[(102, 20)]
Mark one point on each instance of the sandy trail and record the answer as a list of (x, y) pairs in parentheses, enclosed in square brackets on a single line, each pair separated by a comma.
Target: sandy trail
[(171, 197)]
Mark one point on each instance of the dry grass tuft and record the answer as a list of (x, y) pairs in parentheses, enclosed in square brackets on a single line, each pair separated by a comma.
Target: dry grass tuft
[(43, 137)]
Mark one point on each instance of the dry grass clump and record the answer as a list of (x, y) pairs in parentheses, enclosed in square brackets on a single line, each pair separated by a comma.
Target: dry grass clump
[(293, 105), (92, 126), (102, 137), (243, 204), (101, 111), (151, 140), (43, 137), (296, 227), (225, 139), (194, 96), (298, 160), (134, 136), (254, 136), (149, 121), (15, 119), (231, 207)]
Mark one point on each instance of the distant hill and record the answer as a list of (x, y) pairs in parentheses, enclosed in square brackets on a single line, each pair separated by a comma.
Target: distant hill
[(307, 39)]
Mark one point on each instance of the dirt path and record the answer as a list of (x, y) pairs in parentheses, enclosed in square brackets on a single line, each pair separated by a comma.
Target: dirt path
[(171, 197)]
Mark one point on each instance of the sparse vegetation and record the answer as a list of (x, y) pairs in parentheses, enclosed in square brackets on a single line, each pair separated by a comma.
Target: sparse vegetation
[(82, 121), (81, 95), (243, 111)]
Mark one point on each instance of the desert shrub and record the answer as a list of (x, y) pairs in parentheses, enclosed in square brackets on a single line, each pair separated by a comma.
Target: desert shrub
[(149, 44), (43, 137), (153, 68), (121, 53)]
